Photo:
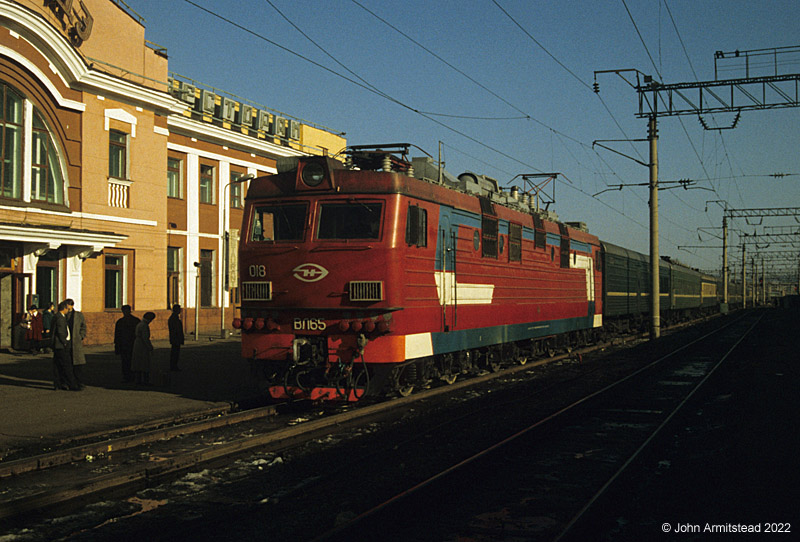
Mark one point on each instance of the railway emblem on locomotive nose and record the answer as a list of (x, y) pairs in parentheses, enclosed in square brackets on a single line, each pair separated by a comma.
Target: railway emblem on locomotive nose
[(309, 272)]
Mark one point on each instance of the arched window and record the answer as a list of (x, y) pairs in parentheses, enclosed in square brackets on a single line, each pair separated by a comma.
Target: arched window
[(46, 176), (11, 144), (47, 183)]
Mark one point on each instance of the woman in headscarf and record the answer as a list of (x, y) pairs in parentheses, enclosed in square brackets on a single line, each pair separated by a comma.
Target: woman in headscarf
[(143, 350)]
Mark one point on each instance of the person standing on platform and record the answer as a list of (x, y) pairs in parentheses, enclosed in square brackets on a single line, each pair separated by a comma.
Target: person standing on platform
[(176, 337), (63, 378), (47, 325), (124, 337), (77, 329), (143, 350), (35, 329)]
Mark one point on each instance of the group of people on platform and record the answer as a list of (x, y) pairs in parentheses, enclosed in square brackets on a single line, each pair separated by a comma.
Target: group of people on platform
[(63, 330), (132, 343), (38, 327)]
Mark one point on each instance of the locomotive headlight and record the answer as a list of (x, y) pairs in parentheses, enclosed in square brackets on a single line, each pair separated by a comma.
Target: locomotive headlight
[(313, 174)]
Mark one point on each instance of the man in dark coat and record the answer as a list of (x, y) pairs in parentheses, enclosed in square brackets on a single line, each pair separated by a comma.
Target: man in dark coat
[(175, 336), (124, 336), (63, 378), (47, 324), (77, 330)]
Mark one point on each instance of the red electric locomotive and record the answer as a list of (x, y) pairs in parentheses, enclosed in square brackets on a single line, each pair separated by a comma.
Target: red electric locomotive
[(385, 273)]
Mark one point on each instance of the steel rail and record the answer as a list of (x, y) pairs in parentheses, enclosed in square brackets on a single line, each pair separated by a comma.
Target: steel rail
[(276, 440), (463, 463), (653, 435), (179, 428)]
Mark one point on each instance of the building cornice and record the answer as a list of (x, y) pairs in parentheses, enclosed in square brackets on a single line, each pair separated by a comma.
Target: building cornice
[(71, 66), (59, 236), (221, 136)]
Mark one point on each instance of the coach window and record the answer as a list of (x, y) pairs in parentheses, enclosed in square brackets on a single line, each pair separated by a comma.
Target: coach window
[(489, 236), (343, 221), (417, 226), (279, 222), (514, 242)]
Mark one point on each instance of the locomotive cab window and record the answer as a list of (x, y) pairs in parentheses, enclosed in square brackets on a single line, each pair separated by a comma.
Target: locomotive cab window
[(417, 226), (278, 222), (349, 220)]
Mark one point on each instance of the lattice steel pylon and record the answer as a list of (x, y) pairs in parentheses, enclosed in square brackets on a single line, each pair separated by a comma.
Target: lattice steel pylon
[(717, 96), (775, 238)]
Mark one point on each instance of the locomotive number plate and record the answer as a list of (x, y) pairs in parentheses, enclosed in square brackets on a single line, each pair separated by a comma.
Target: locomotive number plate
[(309, 324)]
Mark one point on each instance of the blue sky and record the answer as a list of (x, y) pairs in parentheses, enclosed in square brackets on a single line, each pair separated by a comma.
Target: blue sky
[(508, 91)]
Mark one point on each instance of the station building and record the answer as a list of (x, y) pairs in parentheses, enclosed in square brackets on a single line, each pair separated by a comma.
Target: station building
[(118, 178)]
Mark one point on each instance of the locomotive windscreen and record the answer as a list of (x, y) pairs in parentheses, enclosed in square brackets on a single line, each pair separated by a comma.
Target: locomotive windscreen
[(279, 222), (349, 221)]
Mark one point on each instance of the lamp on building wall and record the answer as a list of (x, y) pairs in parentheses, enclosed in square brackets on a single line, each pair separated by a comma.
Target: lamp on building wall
[(226, 248)]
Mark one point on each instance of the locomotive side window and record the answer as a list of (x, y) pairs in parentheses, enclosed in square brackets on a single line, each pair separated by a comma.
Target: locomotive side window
[(489, 234), (417, 226), (278, 222), (349, 221), (540, 236), (514, 242)]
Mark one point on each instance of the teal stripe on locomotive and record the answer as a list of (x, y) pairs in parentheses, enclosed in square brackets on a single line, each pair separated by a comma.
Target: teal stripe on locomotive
[(465, 339)]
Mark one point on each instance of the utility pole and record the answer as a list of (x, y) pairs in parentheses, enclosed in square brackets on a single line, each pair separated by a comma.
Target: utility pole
[(744, 275), (731, 96), (655, 286), (724, 308)]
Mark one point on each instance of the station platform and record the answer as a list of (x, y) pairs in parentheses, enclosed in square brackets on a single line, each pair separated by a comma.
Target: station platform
[(34, 417)]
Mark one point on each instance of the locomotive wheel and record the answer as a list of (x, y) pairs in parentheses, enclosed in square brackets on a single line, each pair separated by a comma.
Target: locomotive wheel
[(450, 378), (404, 379), (447, 369), (522, 360), (406, 390)]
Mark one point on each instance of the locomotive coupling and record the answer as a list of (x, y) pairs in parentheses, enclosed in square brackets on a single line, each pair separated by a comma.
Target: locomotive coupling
[(361, 342)]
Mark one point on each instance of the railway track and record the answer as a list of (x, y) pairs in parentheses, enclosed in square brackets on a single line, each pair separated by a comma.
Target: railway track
[(548, 474), (35, 484), (38, 485)]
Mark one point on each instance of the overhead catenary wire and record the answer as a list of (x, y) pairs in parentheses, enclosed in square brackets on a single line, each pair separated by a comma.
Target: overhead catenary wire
[(607, 174)]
